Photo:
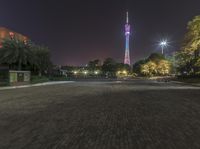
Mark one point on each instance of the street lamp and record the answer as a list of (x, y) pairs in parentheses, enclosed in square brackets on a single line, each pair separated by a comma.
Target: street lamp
[(163, 44), (96, 72), (85, 72), (75, 72)]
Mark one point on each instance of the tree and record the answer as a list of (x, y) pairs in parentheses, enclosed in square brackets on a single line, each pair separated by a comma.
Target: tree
[(192, 37), (15, 52), (122, 66), (184, 62), (137, 66), (156, 57), (197, 65), (145, 69), (42, 61), (187, 57), (152, 68), (109, 67), (163, 67), (94, 65), (149, 69), (155, 64)]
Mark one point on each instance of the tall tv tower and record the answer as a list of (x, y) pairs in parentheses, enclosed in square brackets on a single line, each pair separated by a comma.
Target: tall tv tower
[(127, 34)]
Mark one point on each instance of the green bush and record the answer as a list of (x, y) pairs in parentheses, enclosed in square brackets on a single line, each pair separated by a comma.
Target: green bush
[(39, 79), (58, 78)]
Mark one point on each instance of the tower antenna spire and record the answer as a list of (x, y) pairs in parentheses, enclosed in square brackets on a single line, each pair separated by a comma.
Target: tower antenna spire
[(127, 17)]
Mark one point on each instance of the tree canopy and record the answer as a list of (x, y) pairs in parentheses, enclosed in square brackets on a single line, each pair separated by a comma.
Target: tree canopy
[(188, 57), (156, 57), (19, 54), (109, 67), (15, 52), (192, 37), (41, 59), (94, 65), (154, 65)]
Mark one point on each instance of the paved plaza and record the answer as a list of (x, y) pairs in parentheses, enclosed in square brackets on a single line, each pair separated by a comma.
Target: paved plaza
[(136, 114)]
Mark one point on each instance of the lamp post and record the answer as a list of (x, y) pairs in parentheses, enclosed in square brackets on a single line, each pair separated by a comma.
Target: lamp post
[(85, 73), (163, 44)]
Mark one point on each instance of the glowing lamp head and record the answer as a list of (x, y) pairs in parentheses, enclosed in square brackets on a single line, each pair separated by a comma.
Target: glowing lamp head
[(96, 72), (163, 43), (85, 72)]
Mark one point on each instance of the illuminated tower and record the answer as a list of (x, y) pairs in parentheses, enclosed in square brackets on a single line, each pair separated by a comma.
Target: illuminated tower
[(127, 33)]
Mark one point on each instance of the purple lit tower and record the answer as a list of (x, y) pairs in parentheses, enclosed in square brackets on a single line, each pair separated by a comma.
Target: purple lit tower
[(127, 33)]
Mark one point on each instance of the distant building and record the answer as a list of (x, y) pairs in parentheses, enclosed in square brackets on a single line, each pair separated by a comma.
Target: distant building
[(7, 33)]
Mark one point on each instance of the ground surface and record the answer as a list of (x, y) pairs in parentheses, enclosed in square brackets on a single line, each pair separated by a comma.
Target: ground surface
[(101, 115)]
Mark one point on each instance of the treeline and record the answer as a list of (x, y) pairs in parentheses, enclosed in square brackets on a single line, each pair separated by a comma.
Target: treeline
[(25, 55), (107, 68), (185, 62), (155, 65), (188, 57)]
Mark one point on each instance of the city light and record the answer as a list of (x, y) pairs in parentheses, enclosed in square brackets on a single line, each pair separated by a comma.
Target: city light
[(122, 73), (85, 72), (96, 72), (75, 72), (125, 72)]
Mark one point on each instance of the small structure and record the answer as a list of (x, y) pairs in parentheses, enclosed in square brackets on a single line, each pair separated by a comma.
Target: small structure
[(19, 77)]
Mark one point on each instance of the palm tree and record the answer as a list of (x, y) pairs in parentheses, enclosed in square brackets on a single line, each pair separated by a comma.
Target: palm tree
[(15, 51)]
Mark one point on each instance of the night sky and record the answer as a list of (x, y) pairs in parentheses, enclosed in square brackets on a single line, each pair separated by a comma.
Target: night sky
[(77, 31)]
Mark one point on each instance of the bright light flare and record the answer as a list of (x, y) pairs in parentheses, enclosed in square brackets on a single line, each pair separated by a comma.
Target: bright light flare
[(125, 72), (96, 72), (85, 72), (164, 43)]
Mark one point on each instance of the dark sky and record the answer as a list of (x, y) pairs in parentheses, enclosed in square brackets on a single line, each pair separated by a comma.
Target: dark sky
[(77, 31)]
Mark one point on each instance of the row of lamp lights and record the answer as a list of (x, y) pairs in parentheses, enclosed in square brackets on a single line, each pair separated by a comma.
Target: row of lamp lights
[(124, 72), (86, 72)]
